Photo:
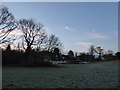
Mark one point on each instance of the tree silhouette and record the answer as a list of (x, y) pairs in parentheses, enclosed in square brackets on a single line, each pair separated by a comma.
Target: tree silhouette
[(71, 56), (7, 24), (92, 52), (57, 51), (118, 55), (8, 48), (33, 33), (70, 53), (52, 43)]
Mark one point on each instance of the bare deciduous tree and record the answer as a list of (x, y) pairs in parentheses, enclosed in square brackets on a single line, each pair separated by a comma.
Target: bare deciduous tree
[(52, 43), (92, 52), (7, 24), (33, 34)]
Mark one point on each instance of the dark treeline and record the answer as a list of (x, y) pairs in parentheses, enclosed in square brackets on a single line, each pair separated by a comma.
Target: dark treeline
[(43, 58), (33, 58), (35, 47)]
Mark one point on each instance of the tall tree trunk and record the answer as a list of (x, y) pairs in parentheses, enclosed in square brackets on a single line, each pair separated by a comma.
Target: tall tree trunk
[(27, 54), (28, 50)]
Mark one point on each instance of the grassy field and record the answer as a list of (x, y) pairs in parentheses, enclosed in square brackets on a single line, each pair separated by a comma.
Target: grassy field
[(92, 75)]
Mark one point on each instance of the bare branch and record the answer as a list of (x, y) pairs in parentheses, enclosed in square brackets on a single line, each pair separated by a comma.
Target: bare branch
[(32, 32), (7, 24)]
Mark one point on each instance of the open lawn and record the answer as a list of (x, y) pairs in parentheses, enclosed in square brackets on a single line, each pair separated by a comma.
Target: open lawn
[(91, 75)]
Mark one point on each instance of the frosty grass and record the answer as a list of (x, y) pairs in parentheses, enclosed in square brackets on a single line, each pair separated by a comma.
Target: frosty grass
[(91, 75)]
